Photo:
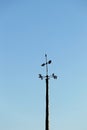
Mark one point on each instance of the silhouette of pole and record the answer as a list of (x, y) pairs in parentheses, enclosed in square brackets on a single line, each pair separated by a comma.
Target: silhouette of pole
[(47, 105), (47, 97), (47, 77)]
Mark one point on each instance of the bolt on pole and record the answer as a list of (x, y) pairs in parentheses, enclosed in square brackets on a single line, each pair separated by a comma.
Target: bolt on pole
[(47, 77)]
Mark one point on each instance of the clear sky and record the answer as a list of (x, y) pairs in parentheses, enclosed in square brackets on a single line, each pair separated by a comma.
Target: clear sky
[(28, 30)]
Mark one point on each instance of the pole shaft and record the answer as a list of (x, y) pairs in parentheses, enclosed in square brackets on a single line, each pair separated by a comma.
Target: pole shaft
[(47, 105)]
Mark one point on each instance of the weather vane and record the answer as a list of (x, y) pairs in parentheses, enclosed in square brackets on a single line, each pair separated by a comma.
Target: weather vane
[(47, 77)]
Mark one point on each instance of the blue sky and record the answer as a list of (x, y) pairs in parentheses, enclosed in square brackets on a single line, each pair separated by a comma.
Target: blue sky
[(28, 30)]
